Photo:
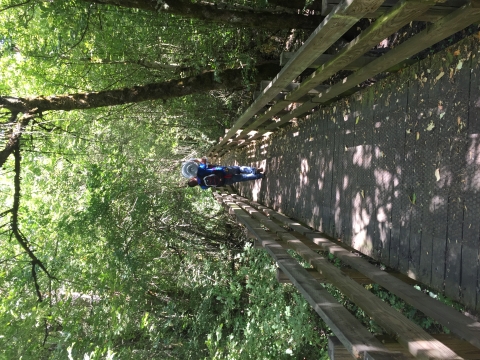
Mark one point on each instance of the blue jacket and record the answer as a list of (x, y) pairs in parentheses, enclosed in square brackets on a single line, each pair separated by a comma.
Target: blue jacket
[(205, 170)]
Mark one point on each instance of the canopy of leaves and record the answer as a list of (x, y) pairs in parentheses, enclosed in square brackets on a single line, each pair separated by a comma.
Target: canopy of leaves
[(123, 261)]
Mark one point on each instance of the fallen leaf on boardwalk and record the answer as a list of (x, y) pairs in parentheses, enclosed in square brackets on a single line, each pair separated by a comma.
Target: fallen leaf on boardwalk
[(418, 135), (409, 131), (437, 174), (460, 65), (456, 53), (442, 115), (430, 126), (439, 76), (413, 199), (451, 72), (357, 119), (363, 194)]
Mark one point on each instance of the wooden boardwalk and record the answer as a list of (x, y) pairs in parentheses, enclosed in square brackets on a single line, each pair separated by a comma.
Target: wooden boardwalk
[(393, 171)]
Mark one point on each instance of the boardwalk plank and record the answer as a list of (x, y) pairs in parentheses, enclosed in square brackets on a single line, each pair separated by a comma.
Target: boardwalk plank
[(470, 285), (337, 185), (395, 135), (422, 186), (382, 169)]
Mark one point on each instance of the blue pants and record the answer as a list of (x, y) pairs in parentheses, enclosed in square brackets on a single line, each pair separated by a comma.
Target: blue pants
[(236, 170), (242, 177)]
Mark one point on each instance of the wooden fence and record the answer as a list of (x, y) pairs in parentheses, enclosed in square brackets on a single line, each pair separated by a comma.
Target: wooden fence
[(279, 102), (277, 233)]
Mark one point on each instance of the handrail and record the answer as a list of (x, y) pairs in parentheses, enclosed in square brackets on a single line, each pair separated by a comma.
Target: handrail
[(399, 15), (459, 324), (342, 18)]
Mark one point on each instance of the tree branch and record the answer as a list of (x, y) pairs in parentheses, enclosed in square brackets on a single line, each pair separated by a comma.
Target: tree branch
[(35, 280), (15, 209), (14, 139), (5, 212), (15, 5), (84, 32)]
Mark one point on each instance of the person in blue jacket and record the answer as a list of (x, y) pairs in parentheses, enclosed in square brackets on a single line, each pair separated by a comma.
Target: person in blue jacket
[(215, 175)]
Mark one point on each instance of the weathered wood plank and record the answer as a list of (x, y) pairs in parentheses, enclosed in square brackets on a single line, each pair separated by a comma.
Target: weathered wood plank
[(445, 27), (324, 58), (282, 278), (457, 99), (401, 14), (456, 322), (409, 195), (344, 16), (346, 327), (353, 274), (384, 166), (471, 226), (336, 350), (431, 15), (410, 335)]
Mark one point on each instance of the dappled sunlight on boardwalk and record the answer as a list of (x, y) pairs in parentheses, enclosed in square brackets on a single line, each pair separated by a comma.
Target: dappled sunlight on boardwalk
[(393, 171)]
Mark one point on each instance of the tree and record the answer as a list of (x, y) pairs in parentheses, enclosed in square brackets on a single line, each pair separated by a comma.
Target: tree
[(104, 252), (212, 13), (30, 108)]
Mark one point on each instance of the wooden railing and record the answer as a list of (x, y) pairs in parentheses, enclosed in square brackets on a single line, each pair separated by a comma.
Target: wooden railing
[(278, 104), (276, 233)]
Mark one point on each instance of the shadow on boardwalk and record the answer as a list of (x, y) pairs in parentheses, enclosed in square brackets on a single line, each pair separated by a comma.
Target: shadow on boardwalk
[(393, 171)]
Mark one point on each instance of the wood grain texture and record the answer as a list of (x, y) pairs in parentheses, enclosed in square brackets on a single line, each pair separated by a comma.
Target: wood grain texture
[(456, 322)]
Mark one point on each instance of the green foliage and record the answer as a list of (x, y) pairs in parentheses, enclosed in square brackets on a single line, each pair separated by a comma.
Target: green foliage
[(142, 267), (256, 315)]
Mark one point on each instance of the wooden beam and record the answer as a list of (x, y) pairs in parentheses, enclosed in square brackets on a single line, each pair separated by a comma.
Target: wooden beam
[(431, 15), (459, 324), (400, 15), (418, 342), (461, 347), (282, 278), (324, 58), (342, 18), (345, 326), (355, 275), (336, 350), (449, 25)]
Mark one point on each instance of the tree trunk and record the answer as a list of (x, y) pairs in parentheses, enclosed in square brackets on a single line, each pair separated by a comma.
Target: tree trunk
[(297, 4), (233, 79), (210, 12)]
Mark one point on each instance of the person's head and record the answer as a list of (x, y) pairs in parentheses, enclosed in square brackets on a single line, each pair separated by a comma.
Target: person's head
[(192, 182)]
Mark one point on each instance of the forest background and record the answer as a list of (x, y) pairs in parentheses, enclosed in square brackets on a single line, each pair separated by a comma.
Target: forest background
[(104, 252)]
